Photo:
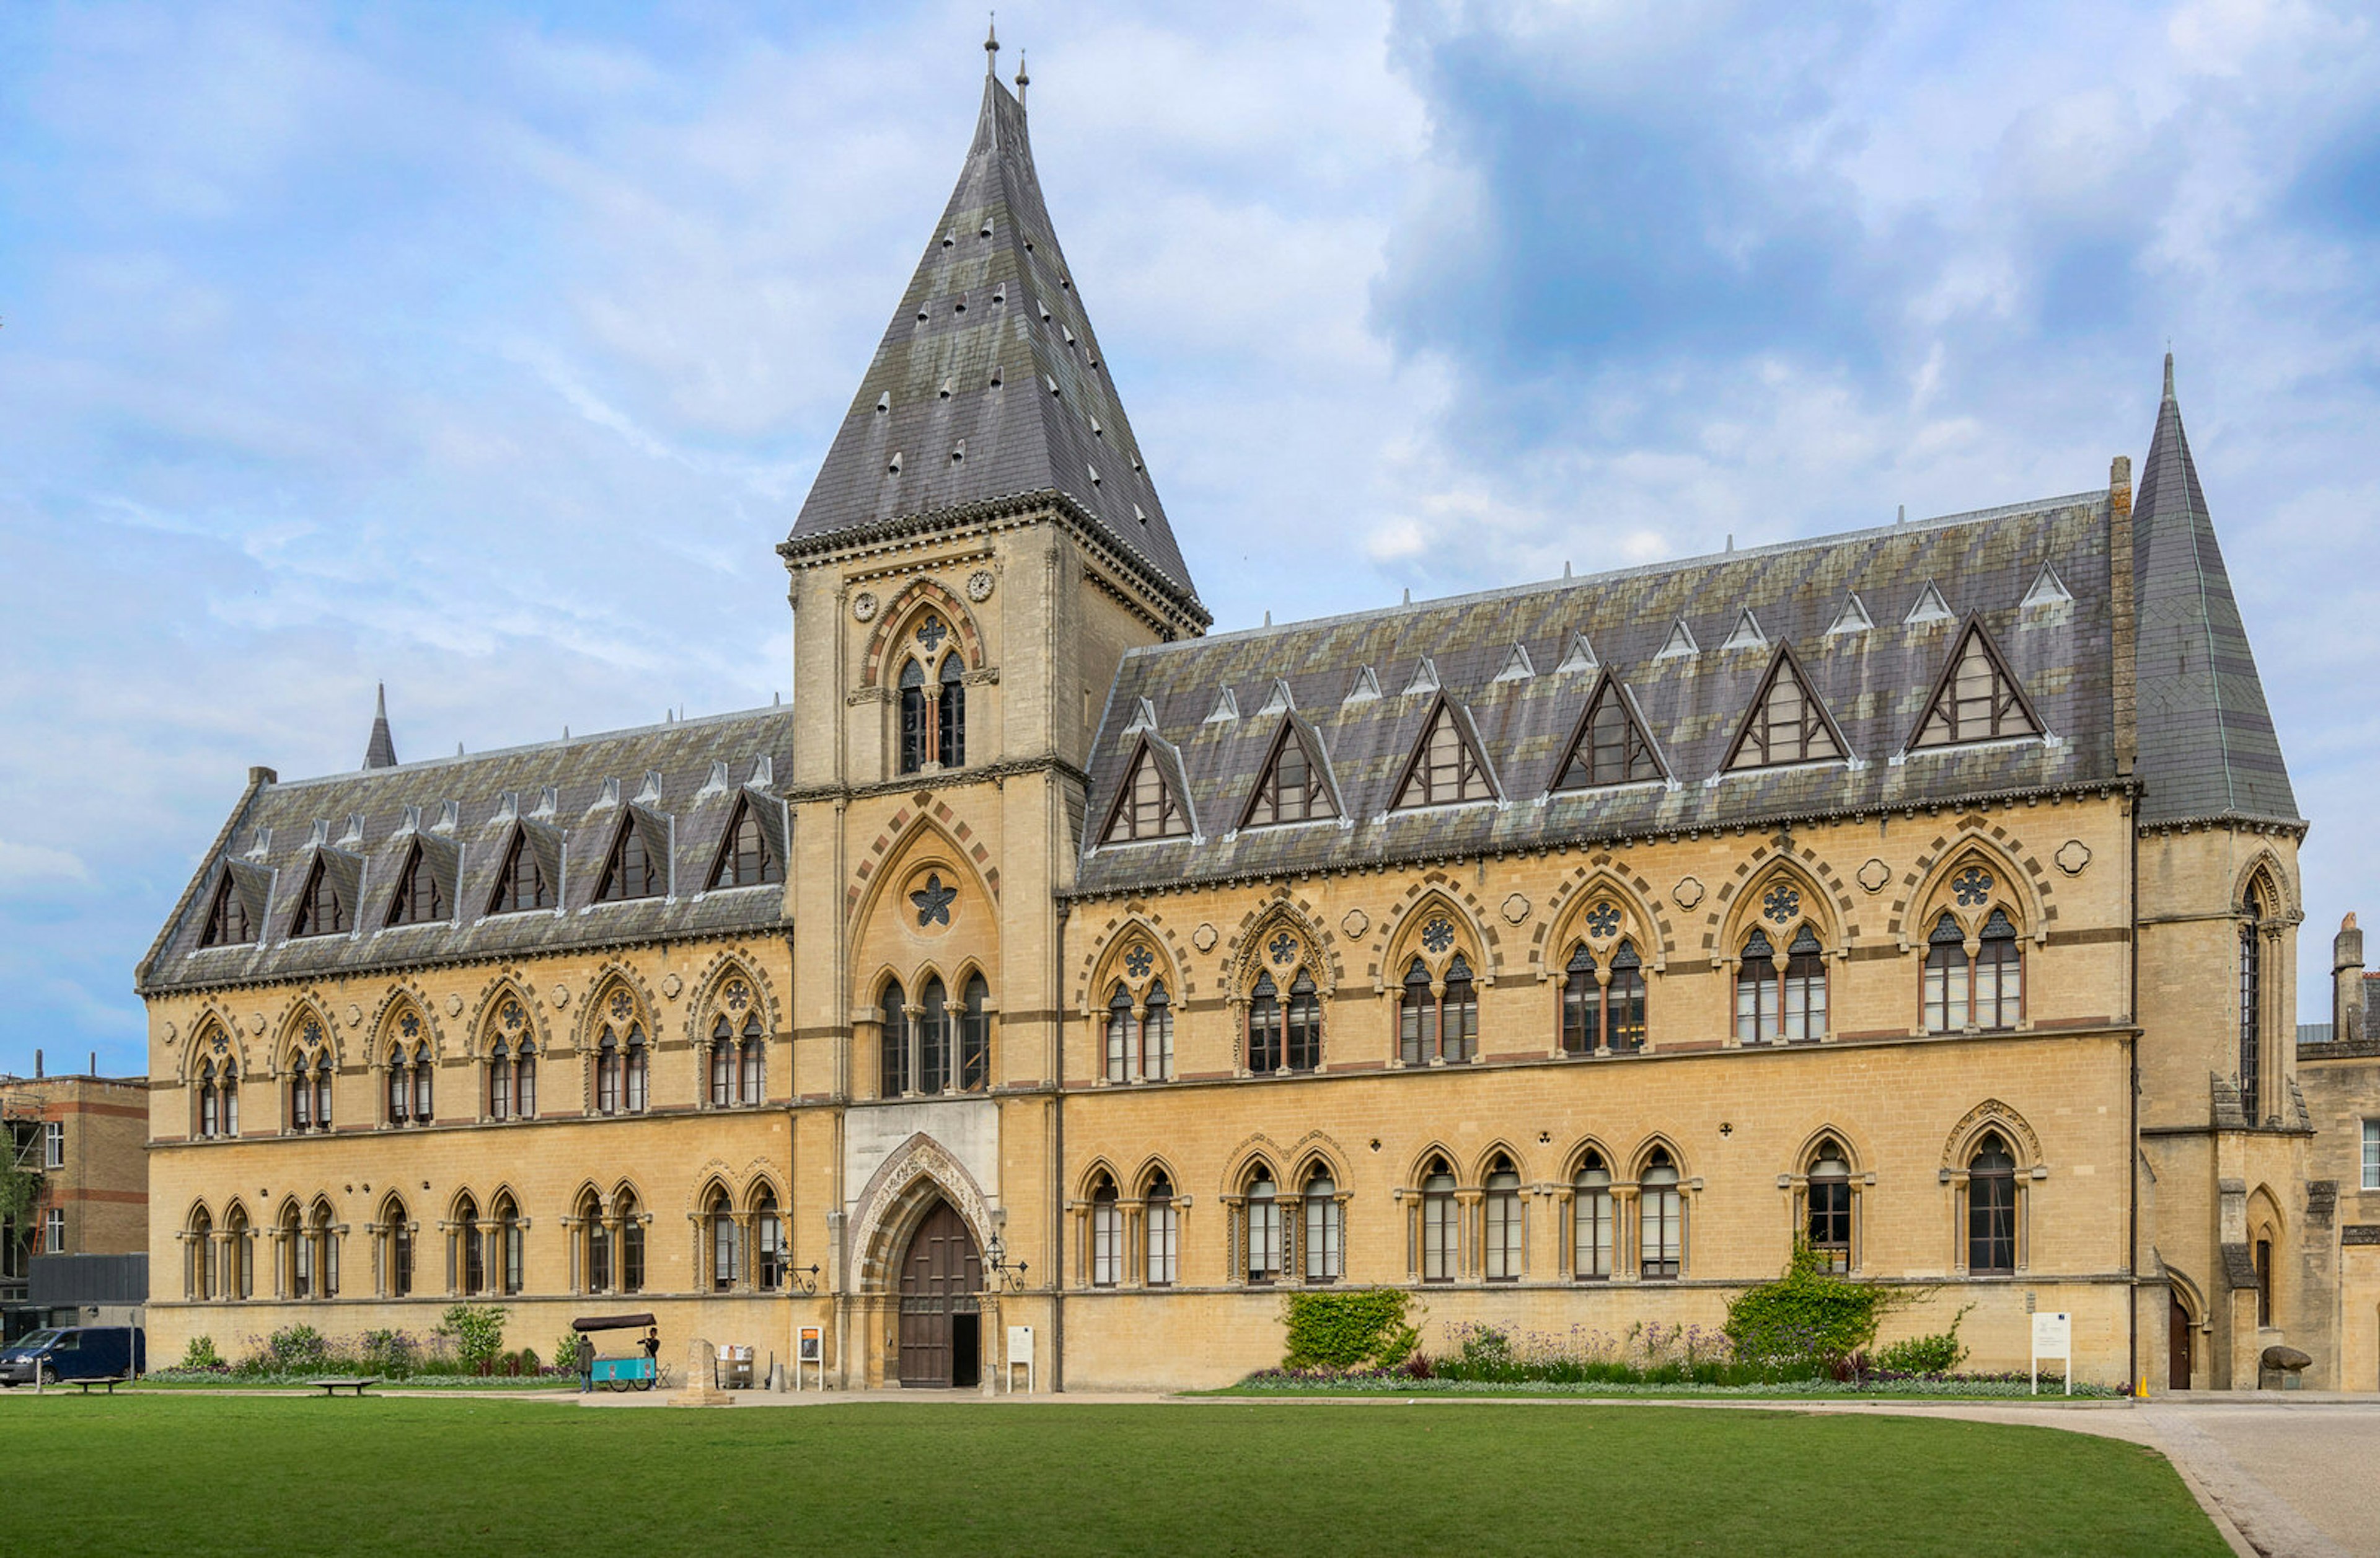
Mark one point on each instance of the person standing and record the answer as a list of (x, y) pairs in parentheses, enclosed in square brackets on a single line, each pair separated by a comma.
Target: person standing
[(585, 1365)]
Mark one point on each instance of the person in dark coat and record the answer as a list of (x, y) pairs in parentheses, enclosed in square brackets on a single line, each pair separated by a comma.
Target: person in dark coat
[(652, 1343), (586, 1364)]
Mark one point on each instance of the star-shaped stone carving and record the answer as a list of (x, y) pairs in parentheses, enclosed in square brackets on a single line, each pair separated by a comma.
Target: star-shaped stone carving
[(933, 900)]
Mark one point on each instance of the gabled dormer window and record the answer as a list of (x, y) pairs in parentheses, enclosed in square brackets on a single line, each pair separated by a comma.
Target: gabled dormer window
[(745, 858), (1146, 807), (1786, 724), (321, 911), (1444, 768), (631, 870), (1609, 747), (227, 922), (1292, 788), (521, 884), (419, 900), (1976, 699)]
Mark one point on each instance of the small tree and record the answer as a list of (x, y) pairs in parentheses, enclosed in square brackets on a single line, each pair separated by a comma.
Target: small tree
[(477, 1333)]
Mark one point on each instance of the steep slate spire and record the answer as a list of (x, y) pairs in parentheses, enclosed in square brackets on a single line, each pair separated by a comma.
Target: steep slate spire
[(989, 385), (2207, 745), (381, 750)]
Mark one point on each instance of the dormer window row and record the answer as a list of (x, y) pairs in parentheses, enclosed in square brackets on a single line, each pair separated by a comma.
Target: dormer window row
[(1786, 724)]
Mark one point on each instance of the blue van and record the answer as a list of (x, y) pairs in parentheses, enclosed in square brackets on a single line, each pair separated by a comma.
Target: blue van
[(74, 1351)]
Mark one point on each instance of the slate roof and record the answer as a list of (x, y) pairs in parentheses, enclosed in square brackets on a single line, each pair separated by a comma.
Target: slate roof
[(679, 783), (2207, 745), (989, 383), (1876, 684)]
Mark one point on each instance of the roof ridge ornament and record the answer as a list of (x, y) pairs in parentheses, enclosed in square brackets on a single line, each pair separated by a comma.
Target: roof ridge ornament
[(991, 45)]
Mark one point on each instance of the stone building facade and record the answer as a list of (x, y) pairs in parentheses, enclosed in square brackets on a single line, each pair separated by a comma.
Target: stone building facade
[(1564, 953), (82, 1140)]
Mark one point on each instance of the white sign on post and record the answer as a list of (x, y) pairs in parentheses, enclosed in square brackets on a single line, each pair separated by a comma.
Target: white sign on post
[(2052, 1336), (1020, 1355)]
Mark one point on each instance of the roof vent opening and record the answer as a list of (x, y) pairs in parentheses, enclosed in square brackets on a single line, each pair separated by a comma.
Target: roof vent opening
[(1364, 689), (1094, 364), (1680, 643), (1747, 634), (1281, 701), (2048, 589), (949, 238), (1069, 335), (1581, 656), (1050, 382), (549, 798), (995, 375), (1095, 474), (884, 403), (1097, 430), (1001, 296), (1930, 607), (959, 306), (892, 466), (1425, 677), (1028, 246), (1853, 617), (1227, 709), (945, 392), (958, 452), (650, 791), (1045, 314), (1140, 514), (1518, 667), (921, 316), (984, 231), (1065, 284)]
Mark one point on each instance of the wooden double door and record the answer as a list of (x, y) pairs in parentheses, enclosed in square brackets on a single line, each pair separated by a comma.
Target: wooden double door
[(942, 1314)]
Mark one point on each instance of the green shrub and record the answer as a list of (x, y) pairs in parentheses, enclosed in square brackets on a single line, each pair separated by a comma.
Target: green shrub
[(529, 1361), (1348, 1329), (200, 1353), (1937, 1354), (295, 1348), (1808, 1315), (565, 1351), (391, 1353), (477, 1333)]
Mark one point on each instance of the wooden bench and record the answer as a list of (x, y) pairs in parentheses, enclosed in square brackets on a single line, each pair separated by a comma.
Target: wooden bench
[(110, 1381), (333, 1387)]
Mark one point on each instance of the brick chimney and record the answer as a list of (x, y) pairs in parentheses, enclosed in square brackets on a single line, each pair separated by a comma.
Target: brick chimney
[(2346, 983)]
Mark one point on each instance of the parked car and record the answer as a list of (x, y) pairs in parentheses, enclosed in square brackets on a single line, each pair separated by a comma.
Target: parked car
[(74, 1351)]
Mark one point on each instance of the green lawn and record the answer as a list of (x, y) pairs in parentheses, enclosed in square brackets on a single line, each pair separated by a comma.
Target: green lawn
[(189, 1475)]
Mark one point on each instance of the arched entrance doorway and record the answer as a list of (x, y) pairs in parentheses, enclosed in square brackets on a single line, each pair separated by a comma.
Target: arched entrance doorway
[(2179, 1336), (942, 1319)]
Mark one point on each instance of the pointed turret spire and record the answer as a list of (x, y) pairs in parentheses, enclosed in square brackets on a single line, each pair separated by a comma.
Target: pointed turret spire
[(989, 387), (2206, 740), (991, 46), (381, 750)]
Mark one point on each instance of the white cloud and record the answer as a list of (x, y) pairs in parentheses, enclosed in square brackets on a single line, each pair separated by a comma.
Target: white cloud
[(36, 863)]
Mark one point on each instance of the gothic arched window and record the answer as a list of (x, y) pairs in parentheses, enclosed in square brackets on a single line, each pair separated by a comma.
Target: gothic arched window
[(1591, 1222), (1441, 1237), (950, 714), (1506, 1227), (2252, 1011), (1828, 1228), (974, 1037), (1157, 1035), (892, 1079), (1107, 1235), (914, 734), (1991, 1208), (1661, 1218), (1262, 1216), (1326, 1230)]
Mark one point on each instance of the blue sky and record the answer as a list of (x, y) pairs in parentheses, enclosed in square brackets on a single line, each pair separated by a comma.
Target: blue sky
[(486, 349)]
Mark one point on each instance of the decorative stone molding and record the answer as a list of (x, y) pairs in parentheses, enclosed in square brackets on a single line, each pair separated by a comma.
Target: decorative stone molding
[(559, 997), (1875, 876), (2072, 855), (1353, 925), (671, 985), (1687, 892), (1204, 939), (355, 1015), (863, 606), (978, 585), (1516, 907)]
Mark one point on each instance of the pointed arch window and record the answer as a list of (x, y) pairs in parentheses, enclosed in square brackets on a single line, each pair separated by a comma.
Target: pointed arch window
[(199, 1242), (637, 1072), (916, 727), (1600, 1016), (1326, 1228), (746, 859), (1305, 1024), (520, 884), (893, 1014), (1261, 1215), (1264, 1027), (1164, 1249), (1609, 747), (1156, 1034), (933, 1032), (975, 1036), (239, 1255), (396, 1233), (1146, 807), (1829, 1205), (607, 1074), (1292, 789), (1591, 1220), (1949, 977), (751, 1061), (500, 1082), (321, 910), (227, 922), (594, 1246), (1441, 1237), (630, 870), (726, 1240), (418, 899), (1107, 1235), (2251, 1010), (723, 1064), (1119, 1034), (1661, 1227), (1786, 724), (511, 1246), (1418, 1016), (1445, 768), (1991, 1208), (632, 1242), (949, 713), (210, 1103), (768, 1254), (1506, 1223), (424, 1081), (470, 1260), (1984, 992), (1976, 699)]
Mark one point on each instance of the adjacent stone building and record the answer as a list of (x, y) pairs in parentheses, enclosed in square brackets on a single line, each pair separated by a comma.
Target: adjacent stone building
[(1564, 953), (79, 1143)]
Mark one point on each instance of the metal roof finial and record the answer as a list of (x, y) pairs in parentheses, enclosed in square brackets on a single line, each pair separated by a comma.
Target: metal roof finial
[(991, 46), (1023, 80), (2168, 369)]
